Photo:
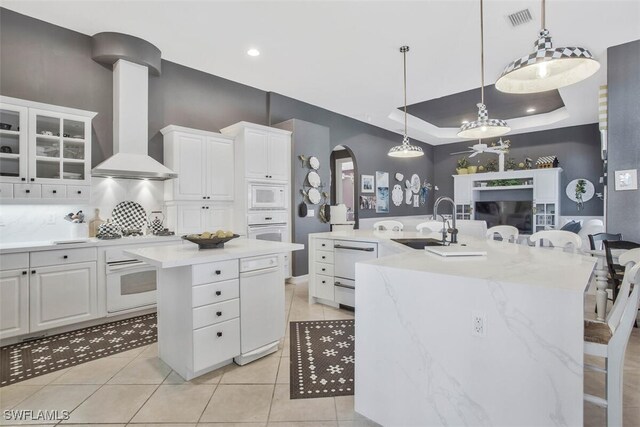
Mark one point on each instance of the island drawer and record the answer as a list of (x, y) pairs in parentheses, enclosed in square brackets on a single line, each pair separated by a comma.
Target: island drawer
[(215, 313), (216, 343), (215, 292), (324, 256), (324, 244), (63, 256), (323, 268), (14, 261), (215, 271), (324, 287)]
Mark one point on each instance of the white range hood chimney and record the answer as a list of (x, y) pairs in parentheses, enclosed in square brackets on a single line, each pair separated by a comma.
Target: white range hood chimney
[(130, 117)]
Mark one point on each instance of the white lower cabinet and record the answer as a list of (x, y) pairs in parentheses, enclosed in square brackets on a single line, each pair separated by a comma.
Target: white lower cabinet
[(62, 294), (216, 343), (14, 303)]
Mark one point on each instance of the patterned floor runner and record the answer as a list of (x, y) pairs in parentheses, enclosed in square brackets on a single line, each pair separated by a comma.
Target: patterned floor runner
[(19, 362), (322, 358)]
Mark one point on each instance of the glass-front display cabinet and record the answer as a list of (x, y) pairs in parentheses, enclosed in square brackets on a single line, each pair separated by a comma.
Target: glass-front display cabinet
[(13, 143)]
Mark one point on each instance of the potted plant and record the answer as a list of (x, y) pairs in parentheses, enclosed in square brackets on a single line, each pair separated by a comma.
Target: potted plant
[(492, 166), (461, 166), (473, 168), (510, 164)]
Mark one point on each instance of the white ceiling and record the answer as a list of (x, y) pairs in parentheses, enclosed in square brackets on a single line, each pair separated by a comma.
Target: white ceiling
[(343, 55)]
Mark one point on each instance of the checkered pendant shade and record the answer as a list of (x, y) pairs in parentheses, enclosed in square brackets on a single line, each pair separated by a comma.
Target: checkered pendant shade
[(405, 150), (547, 68), (484, 127)]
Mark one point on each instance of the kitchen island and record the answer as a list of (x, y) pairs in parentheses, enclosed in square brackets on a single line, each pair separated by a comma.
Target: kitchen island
[(218, 305), (478, 340)]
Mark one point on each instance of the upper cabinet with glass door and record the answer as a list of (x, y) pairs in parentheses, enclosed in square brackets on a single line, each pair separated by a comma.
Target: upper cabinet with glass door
[(60, 147), (13, 143)]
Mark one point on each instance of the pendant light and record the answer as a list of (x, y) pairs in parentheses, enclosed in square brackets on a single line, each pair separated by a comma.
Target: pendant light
[(405, 149), (483, 127), (547, 68)]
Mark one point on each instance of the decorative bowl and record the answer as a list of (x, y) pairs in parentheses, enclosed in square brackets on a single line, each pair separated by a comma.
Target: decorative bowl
[(211, 243)]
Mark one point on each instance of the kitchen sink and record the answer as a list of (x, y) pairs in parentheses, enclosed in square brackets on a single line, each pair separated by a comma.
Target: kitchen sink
[(419, 243)]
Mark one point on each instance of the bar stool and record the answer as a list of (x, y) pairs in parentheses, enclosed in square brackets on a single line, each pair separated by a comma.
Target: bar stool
[(506, 233), (388, 224)]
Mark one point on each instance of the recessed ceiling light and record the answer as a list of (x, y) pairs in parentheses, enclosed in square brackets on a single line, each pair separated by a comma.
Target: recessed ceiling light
[(253, 52), (531, 110)]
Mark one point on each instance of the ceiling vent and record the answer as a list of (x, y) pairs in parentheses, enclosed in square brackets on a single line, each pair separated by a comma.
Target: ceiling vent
[(520, 17)]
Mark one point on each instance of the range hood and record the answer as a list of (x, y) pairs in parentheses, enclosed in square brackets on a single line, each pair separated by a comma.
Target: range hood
[(131, 67)]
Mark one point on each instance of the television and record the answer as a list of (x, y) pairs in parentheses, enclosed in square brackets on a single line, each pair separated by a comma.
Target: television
[(518, 214)]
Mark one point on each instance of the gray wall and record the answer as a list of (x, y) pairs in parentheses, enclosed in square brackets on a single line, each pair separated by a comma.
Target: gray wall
[(368, 143), (45, 63), (308, 139), (577, 148), (623, 77)]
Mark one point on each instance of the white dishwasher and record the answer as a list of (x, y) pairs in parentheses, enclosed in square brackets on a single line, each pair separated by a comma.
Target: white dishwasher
[(261, 307), (347, 254)]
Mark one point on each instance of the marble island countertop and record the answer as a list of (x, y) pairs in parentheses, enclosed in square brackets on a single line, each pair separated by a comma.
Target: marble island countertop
[(504, 262), (188, 254)]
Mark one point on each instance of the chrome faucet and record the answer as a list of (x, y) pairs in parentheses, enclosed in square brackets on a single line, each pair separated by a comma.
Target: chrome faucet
[(453, 230)]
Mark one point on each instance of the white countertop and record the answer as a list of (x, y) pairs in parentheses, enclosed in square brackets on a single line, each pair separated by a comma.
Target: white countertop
[(504, 262), (188, 254), (46, 245)]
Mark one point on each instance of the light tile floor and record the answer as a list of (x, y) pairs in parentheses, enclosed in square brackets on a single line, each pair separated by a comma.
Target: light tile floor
[(135, 387)]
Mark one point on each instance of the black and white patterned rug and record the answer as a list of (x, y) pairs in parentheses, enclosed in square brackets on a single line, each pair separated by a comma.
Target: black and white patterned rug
[(322, 358), (19, 362)]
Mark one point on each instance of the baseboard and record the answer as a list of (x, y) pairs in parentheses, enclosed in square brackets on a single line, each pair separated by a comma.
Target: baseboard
[(298, 279)]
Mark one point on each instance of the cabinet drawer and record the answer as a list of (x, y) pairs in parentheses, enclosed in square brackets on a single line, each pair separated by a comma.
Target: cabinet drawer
[(215, 313), (27, 191), (324, 244), (324, 256), (78, 192), (14, 261), (6, 191), (215, 271), (323, 268), (216, 343), (324, 287), (63, 256), (54, 191), (215, 292)]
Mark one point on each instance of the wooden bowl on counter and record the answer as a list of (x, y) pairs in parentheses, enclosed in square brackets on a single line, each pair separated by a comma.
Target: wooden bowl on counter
[(211, 243)]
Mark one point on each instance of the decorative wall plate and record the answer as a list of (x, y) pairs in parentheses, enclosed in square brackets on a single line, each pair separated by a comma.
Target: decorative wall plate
[(314, 196), (415, 183), (586, 196), (397, 195), (399, 176), (408, 196), (129, 215), (314, 163), (314, 179)]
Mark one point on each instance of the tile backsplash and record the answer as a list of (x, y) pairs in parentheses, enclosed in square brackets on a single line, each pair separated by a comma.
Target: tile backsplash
[(36, 222)]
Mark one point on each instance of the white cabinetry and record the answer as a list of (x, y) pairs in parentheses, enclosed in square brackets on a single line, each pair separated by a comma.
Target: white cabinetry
[(188, 218), (204, 162), (62, 295), (265, 151), (14, 295), (46, 145)]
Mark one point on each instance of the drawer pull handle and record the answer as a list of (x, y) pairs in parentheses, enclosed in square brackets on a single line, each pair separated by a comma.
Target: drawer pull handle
[(65, 256), (219, 334), (323, 257), (354, 248), (219, 313), (268, 218), (324, 281), (324, 269), (218, 293), (33, 272), (27, 191), (203, 197), (24, 272), (32, 179), (55, 191), (23, 179), (218, 272), (79, 192)]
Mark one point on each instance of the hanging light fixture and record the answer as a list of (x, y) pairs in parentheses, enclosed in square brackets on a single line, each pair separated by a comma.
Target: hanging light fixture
[(405, 149), (483, 127), (547, 68)]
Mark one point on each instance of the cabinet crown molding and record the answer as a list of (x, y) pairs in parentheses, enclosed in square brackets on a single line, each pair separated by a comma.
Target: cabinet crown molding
[(236, 128), (41, 106), (174, 128)]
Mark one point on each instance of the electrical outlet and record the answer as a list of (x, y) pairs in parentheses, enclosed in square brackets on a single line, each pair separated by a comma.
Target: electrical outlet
[(478, 324), (310, 213)]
